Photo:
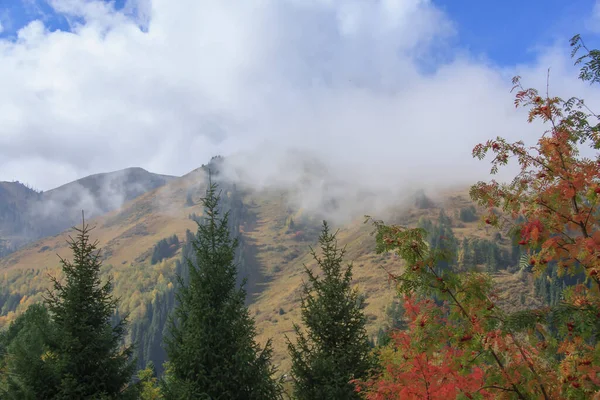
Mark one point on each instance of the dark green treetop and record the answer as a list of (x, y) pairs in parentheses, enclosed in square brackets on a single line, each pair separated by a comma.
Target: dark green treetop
[(24, 347), (211, 342), (335, 349), (89, 354)]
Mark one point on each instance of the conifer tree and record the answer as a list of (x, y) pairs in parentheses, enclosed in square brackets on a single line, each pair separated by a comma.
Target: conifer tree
[(467, 260), (211, 342), (88, 355), (24, 372), (335, 350)]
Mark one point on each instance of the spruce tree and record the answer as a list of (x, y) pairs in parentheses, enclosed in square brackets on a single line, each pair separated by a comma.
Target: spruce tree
[(335, 348), (211, 342), (24, 347), (89, 354)]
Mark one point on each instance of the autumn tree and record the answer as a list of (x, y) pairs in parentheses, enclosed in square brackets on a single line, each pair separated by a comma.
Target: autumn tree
[(211, 342), (335, 349), (552, 205), (556, 195), (461, 321), (89, 354)]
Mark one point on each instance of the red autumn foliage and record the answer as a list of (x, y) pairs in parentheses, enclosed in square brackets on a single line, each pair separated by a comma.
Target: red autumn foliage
[(415, 372)]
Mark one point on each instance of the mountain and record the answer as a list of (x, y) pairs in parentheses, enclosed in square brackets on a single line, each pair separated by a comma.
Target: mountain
[(27, 215), (144, 241), (15, 226)]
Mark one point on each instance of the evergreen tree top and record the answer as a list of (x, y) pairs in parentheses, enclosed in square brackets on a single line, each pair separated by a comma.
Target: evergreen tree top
[(88, 353), (335, 348), (211, 347)]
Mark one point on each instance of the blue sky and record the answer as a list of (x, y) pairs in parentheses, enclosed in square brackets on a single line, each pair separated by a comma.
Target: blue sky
[(14, 14), (507, 32)]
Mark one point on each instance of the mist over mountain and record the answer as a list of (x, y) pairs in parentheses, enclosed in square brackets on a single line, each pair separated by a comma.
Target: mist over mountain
[(310, 183), (27, 215)]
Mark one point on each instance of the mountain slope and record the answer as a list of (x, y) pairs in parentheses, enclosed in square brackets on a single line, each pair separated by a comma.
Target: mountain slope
[(15, 227), (27, 215), (275, 239)]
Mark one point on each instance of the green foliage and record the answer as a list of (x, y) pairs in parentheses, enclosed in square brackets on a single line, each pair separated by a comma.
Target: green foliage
[(590, 71), (9, 301), (440, 235), (336, 348), (24, 372), (482, 251), (148, 383), (211, 347), (396, 321), (165, 248), (88, 354), (549, 286), (150, 327), (148, 331), (440, 238), (468, 214), (462, 316)]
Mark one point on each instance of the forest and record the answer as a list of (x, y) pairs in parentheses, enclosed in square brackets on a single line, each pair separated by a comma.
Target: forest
[(445, 338)]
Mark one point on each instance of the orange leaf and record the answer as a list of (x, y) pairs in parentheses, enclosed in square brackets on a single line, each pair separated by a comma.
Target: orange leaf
[(596, 237)]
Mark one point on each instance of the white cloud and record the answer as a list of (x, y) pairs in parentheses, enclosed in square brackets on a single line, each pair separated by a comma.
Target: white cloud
[(340, 80)]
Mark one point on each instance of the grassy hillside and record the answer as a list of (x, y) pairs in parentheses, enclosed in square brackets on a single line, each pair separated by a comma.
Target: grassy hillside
[(276, 240)]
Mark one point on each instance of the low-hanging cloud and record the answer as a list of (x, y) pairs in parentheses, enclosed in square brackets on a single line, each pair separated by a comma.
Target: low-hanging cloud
[(376, 95)]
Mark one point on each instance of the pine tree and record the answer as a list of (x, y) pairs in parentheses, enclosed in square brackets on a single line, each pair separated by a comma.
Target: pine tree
[(211, 346), (89, 355), (492, 260), (24, 346), (336, 348), (467, 258)]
